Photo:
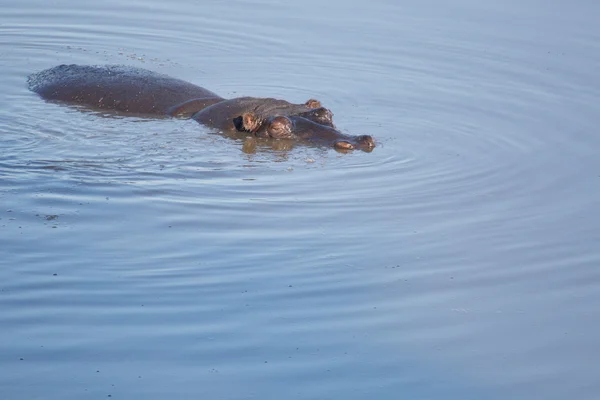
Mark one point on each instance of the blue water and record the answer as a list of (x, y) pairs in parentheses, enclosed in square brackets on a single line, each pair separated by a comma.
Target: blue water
[(152, 259)]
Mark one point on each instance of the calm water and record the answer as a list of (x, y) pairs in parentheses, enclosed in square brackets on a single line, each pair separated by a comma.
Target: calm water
[(150, 259)]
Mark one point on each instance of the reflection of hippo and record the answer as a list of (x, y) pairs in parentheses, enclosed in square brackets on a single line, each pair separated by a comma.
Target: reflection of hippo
[(139, 91)]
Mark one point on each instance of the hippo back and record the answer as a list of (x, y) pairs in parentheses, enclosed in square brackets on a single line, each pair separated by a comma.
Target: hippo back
[(115, 87)]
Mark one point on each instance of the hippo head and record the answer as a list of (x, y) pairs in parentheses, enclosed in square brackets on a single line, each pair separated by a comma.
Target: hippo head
[(279, 119), (306, 126)]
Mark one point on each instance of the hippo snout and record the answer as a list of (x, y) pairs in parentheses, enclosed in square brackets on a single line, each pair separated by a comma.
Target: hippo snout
[(366, 141)]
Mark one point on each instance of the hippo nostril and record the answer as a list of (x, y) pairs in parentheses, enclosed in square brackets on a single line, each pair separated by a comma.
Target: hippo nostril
[(366, 140), (342, 144)]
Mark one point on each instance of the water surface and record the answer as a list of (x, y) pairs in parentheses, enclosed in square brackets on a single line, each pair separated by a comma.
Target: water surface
[(154, 259)]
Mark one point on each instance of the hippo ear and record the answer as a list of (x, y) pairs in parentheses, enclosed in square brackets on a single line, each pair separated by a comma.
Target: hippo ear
[(250, 122), (312, 103)]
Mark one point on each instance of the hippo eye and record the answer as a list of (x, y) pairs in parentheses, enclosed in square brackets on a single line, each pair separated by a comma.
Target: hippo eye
[(319, 115), (324, 116), (280, 128)]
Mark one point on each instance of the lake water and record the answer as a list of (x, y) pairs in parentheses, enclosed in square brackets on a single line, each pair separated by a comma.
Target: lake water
[(152, 259)]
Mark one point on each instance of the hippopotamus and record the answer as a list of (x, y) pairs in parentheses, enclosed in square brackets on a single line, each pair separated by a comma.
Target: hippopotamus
[(135, 90)]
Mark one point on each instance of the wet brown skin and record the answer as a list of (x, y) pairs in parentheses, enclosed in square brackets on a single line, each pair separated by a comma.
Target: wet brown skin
[(279, 119), (227, 115), (115, 87), (138, 91)]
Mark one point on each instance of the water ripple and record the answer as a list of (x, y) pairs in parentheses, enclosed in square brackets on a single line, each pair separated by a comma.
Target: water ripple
[(457, 260)]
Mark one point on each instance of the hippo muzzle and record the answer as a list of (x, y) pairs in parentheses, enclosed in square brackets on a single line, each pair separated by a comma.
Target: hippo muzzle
[(296, 127)]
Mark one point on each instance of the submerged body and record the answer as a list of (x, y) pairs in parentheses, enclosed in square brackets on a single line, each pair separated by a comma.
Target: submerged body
[(140, 91)]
